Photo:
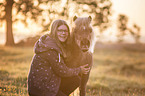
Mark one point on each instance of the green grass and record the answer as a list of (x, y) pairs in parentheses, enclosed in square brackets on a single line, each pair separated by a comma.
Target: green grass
[(115, 72), (14, 68)]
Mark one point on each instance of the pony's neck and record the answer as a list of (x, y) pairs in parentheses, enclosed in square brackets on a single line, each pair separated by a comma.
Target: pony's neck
[(75, 48)]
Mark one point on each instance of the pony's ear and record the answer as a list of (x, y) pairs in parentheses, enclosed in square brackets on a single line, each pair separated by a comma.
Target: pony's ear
[(75, 17), (90, 18)]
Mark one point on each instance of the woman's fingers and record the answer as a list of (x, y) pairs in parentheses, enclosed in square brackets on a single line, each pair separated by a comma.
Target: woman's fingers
[(86, 65), (87, 70)]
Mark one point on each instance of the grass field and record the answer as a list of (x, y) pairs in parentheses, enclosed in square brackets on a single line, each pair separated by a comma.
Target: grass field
[(117, 71)]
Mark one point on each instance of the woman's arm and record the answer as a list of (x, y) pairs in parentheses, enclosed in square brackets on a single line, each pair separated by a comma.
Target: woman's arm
[(58, 65)]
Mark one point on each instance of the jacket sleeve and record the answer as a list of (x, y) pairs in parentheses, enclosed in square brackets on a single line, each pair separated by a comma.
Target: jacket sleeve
[(56, 61)]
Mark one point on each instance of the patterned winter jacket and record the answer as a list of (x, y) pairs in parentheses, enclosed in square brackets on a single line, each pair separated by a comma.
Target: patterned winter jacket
[(47, 68)]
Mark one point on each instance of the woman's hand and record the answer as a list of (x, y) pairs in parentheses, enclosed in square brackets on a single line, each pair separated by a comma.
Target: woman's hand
[(85, 69)]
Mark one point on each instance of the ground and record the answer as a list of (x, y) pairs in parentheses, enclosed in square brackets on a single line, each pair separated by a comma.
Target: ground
[(118, 70)]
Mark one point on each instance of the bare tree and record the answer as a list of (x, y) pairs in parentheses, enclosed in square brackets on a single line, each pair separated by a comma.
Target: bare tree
[(135, 31), (122, 26), (27, 8)]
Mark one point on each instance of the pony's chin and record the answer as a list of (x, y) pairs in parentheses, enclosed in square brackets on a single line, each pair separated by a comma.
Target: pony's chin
[(84, 49)]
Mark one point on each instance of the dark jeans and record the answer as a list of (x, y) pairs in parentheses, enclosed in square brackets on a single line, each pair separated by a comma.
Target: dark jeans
[(69, 84)]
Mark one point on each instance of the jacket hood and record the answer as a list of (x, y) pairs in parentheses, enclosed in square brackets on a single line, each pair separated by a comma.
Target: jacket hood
[(46, 43)]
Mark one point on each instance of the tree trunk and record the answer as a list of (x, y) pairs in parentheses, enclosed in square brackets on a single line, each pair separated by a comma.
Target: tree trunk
[(9, 32)]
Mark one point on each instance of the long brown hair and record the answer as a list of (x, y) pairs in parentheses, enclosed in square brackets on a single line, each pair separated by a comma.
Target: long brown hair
[(53, 34)]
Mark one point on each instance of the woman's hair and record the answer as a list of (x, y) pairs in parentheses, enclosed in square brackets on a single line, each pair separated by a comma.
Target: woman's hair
[(55, 25), (53, 34)]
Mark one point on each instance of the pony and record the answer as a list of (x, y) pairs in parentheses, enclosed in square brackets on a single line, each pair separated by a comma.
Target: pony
[(82, 41)]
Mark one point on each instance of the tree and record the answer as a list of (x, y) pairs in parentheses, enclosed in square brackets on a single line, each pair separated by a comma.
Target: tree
[(7, 15), (33, 9), (101, 10), (27, 8), (135, 32), (122, 26)]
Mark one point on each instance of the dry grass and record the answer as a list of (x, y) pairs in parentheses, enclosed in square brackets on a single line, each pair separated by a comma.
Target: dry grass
[(14, 67), (117, 71)]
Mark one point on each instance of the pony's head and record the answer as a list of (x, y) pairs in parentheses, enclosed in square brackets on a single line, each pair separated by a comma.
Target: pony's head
[(82, 32)]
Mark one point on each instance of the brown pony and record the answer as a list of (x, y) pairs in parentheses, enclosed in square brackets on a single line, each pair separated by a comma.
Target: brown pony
[(81, 47)]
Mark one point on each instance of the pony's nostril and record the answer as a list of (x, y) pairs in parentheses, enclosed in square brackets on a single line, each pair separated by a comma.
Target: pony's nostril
[(85, 42)]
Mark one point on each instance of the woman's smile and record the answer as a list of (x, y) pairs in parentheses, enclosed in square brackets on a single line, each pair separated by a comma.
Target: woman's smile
[(62, 33)]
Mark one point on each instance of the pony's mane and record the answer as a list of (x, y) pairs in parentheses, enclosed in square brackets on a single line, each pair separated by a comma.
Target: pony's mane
[(79, 23), (93, 42)]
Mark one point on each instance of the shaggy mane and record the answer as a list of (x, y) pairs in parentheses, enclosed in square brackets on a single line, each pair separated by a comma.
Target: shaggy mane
[(79, 23)]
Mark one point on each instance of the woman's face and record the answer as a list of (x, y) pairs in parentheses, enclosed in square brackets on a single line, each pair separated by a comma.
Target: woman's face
[(62, 33)]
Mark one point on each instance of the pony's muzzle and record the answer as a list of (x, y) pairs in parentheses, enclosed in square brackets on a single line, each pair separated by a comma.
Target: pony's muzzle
[(85, 44)]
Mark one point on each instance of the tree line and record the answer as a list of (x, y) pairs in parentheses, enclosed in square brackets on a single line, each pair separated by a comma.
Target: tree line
[(101, 10)]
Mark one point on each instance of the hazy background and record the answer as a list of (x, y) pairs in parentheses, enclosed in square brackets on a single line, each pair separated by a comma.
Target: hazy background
[(133, 9), (118, 59)]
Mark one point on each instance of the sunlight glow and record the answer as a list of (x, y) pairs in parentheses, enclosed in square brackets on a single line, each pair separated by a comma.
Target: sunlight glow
[(63, 2), (2, 0), (131, 8), (134, 9)]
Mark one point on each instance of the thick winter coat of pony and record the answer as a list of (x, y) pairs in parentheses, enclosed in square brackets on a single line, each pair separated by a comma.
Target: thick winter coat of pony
[(81, 47)]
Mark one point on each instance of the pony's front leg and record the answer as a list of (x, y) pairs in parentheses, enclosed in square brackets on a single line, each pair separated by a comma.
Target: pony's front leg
[(84, 80)]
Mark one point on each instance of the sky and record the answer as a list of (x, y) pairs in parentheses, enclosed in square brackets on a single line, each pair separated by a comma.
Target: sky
[(134, 9)]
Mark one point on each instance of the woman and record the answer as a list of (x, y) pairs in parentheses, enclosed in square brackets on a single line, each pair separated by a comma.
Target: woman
[(48, 65)]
